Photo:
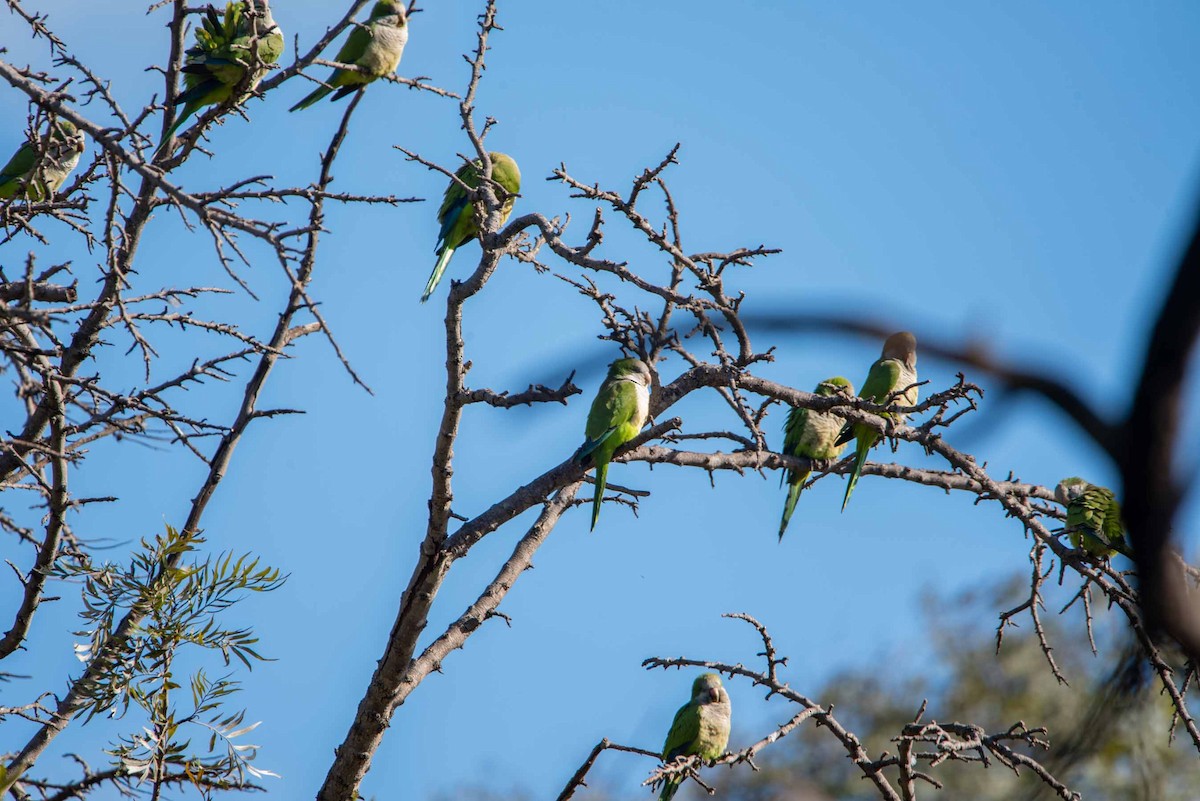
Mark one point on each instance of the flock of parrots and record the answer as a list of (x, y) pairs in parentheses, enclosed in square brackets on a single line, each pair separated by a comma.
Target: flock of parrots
[(216, 67), (229, 58)]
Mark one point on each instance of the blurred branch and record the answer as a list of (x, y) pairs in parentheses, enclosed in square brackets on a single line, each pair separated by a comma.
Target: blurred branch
[(975, 354), (1150, 449)]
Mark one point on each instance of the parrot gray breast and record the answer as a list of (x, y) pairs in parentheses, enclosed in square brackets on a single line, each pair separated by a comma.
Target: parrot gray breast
[(383, 54), (908, 378)]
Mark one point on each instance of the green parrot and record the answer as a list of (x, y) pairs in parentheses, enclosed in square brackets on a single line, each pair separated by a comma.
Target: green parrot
[(217, 63), (457, 214), (376, 46), (894, 371), (60, 148), (618, 414), (1093, 518), (811, 434), (700, 727)]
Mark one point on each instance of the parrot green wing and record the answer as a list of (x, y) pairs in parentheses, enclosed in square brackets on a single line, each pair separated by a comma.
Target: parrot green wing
[(454, 202), (681, 741), (685, 729), (881, 380), (457, 219), (1114, 527), (1088, 511), (355, 46), (793, 434), (615, 405), (793, 430), (16, 169), (1094, 521)]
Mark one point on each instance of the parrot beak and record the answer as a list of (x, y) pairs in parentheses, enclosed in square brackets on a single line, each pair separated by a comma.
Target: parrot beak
[(714, 695)]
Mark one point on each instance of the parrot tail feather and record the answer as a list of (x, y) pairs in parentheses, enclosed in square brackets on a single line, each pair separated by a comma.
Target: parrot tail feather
[(860, 458), (598, 498), (188, 110), (316, 95), (438, 269), (194, 95), (668, 791), (794, 488)]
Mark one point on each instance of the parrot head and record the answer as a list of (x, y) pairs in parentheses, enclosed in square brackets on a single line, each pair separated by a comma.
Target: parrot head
[(265, 22), (835, 385), (506, 172), (66, 138), (901, 346), (389, 8), (630, 369), (1069, 489), (707, 689)]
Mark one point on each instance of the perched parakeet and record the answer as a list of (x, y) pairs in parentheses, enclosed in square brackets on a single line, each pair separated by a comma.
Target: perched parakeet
[(376, 46), (700, 727), (60, 148), (618, 414), (218, 61), (457, 214), (811, 434), (1093, 518), (895, 371)]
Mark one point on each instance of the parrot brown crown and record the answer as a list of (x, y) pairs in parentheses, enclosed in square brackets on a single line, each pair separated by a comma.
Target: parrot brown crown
[(901, 346)]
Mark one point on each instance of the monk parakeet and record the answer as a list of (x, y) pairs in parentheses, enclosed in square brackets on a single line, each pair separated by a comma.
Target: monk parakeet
[(618, 414), (1093, 518), (39, 178), (895, 371), (218, 61), (811, 434), (700, 728), (376, 46), (457, 214)]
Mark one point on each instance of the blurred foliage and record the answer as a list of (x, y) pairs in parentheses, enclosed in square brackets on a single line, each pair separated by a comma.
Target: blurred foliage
[(969, 681)]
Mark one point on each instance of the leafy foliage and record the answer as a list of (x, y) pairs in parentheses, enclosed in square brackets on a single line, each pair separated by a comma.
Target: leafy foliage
[(182, 603)]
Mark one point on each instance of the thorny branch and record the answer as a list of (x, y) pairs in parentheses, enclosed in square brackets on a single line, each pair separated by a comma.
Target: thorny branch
[(716, 321), (946, 741), (48, 335), (697, 329)]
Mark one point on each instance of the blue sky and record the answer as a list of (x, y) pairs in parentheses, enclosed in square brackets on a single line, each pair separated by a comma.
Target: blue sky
[(1017, 172)]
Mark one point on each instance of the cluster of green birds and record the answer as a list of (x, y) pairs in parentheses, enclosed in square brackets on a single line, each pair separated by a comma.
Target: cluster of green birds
[(232, 53), (622, 406), (824, 435), (701, 726), (246, 40), (230, 56)]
